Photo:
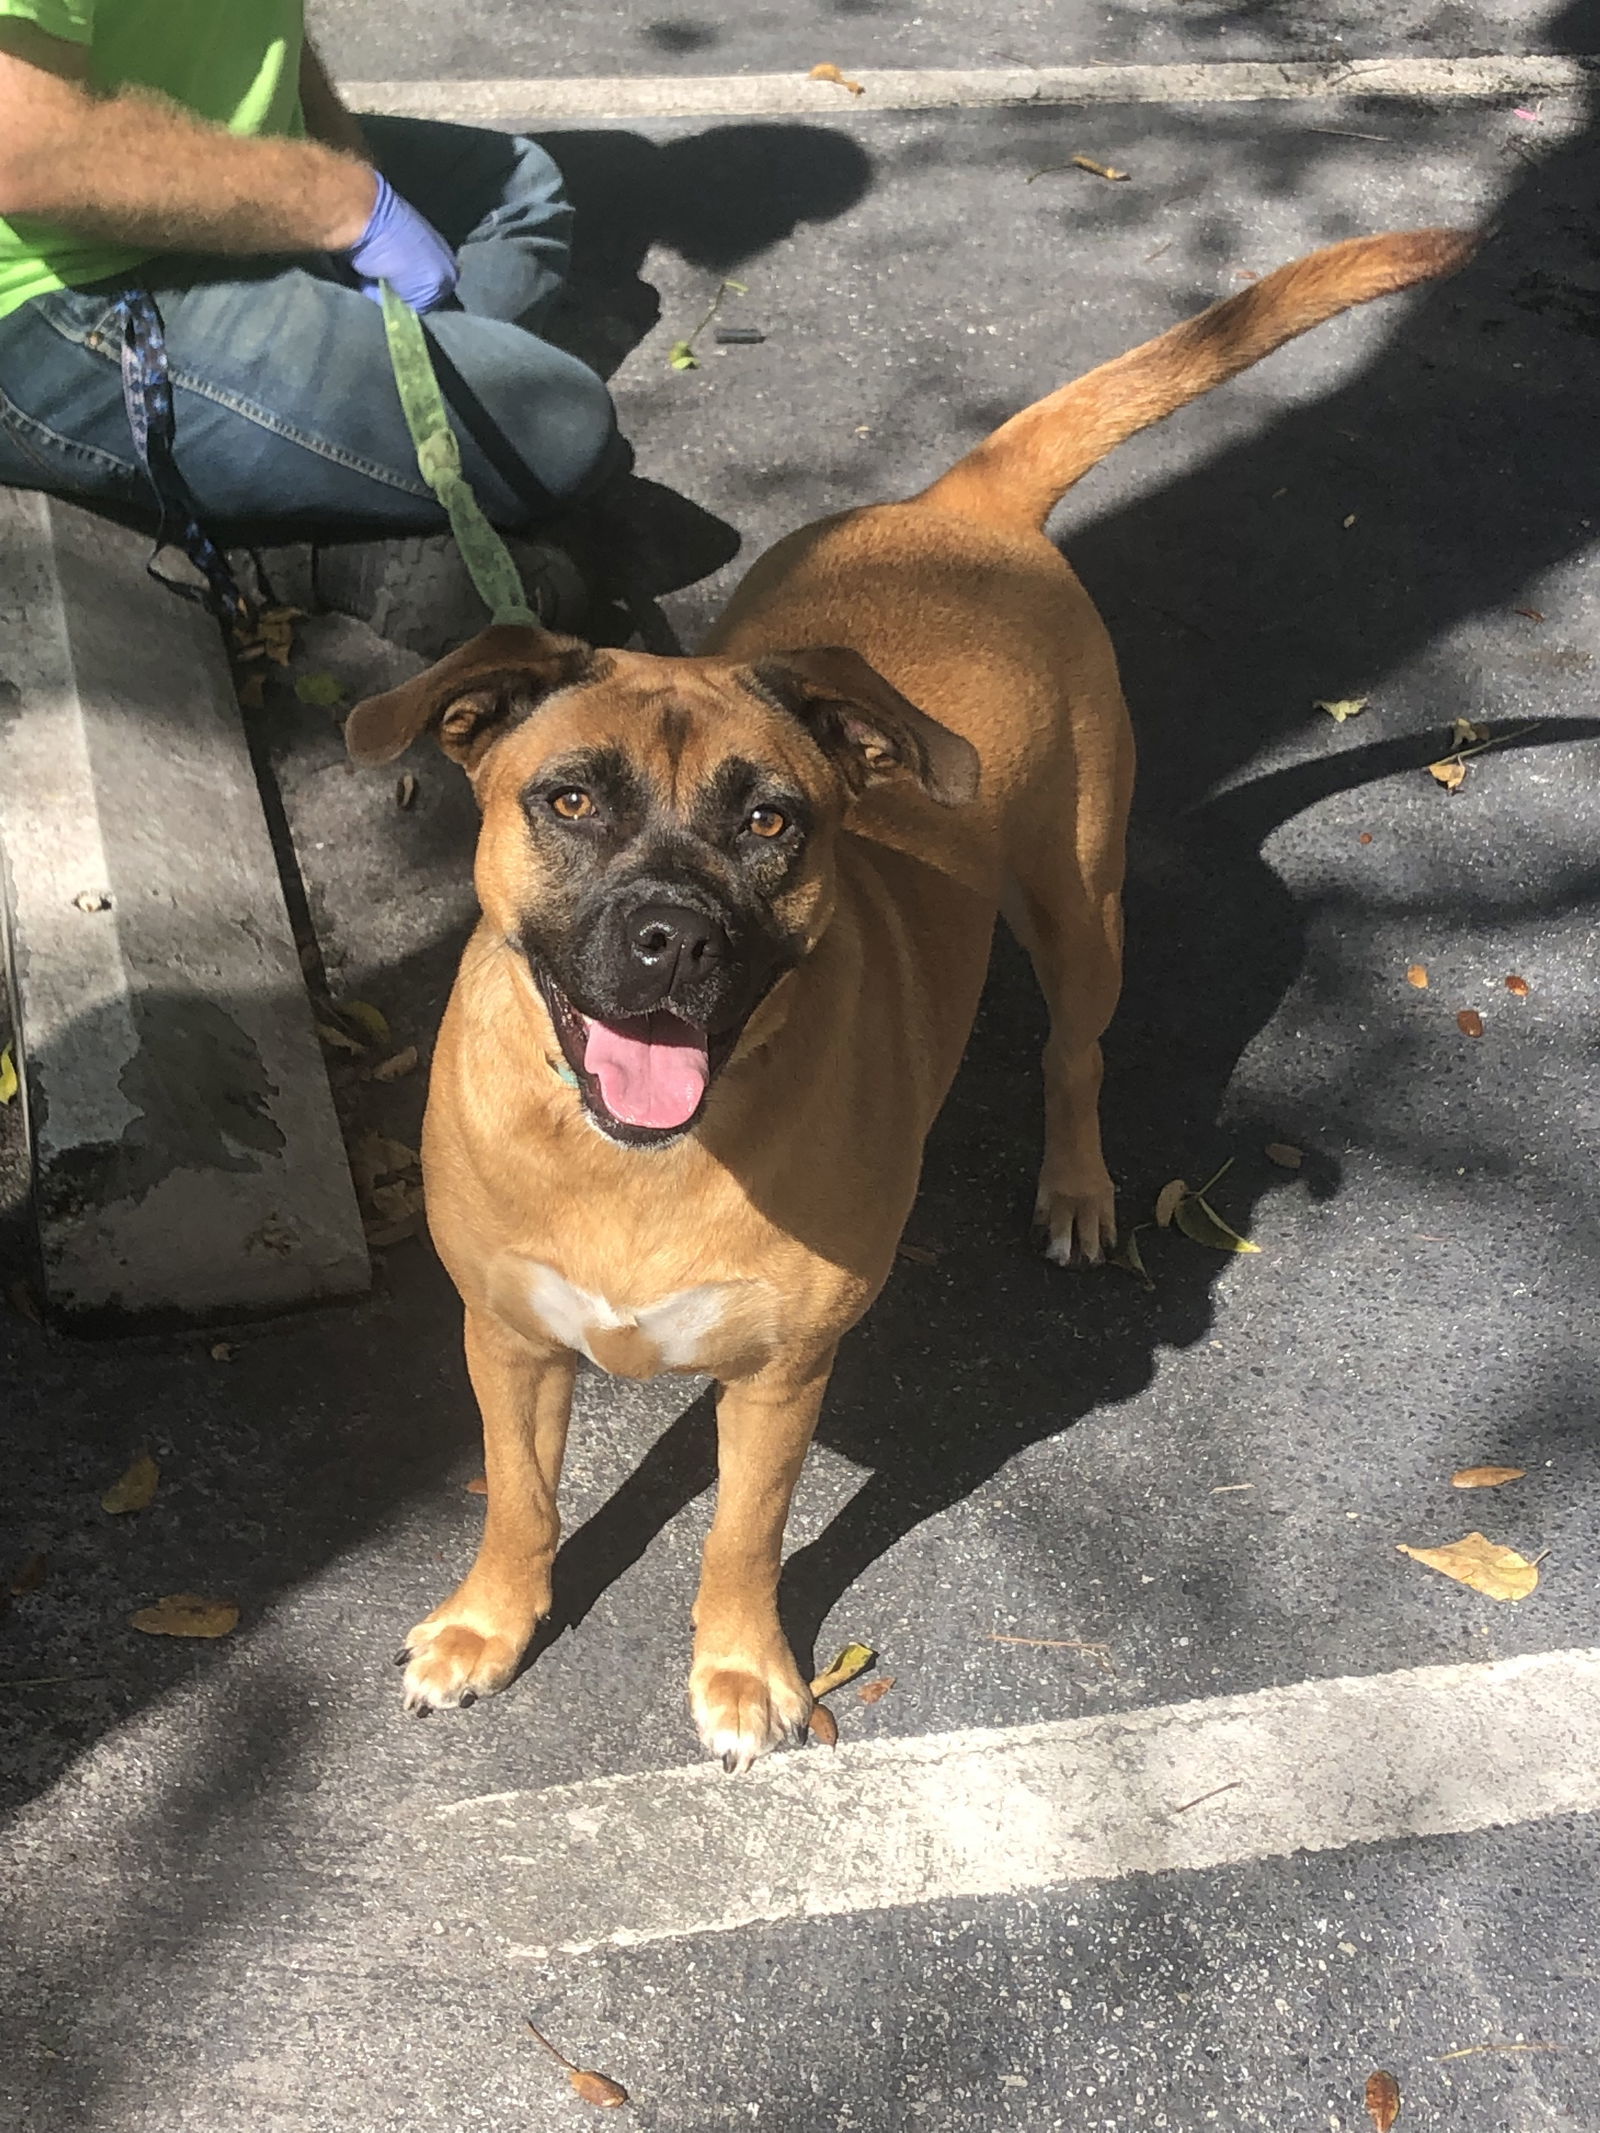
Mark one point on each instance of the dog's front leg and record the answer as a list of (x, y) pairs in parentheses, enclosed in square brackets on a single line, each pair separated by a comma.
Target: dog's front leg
[(470, 1645), (745, 1690)]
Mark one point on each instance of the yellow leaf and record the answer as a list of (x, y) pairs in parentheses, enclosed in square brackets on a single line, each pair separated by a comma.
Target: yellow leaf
[(853, 1660), (1483, 1564), (136, 1490), (827, 71), (8, 1076), (1201, 1224), (1098, 170), (372, 1019), (1383, 2100), (1417, 974), (1342, 707), (1486, 1477), (1451, 775), (186, 1614), (1464, 734), (1167, 1201)]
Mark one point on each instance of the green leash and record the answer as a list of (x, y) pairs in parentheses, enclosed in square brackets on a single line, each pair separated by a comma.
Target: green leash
[(488, 559)]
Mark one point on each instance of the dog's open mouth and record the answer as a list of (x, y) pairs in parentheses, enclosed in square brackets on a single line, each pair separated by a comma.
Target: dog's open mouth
[(643, 1079)]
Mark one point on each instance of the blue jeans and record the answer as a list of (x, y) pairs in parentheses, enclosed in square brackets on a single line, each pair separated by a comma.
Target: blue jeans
[(287, 414)]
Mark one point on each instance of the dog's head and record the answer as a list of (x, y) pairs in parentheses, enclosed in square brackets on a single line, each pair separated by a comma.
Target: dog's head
[(658, 834)]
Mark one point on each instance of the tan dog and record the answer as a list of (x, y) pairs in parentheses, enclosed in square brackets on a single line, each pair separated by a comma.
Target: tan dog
[(736, 916)]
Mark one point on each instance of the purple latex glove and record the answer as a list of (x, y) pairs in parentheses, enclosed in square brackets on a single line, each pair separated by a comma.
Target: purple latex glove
[(400, 246)]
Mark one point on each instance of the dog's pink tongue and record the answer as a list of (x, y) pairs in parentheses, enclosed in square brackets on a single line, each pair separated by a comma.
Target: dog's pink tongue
[(652, 1070)]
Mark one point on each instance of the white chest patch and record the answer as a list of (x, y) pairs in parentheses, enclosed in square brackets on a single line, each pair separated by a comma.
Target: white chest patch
[(679, 1327)]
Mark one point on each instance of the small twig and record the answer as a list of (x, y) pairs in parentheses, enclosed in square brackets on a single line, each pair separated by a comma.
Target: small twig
[(1156, 254), (48, 1681), (1495, 740), (1539, 1558), (1206, 1187), (1058, 1644), (1231, 1786), (561, 2057), (1338, 133), (1231, 1488), (1467, 2050)]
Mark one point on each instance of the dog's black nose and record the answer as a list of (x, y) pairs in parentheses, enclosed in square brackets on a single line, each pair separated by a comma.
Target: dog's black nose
[(676, 943)]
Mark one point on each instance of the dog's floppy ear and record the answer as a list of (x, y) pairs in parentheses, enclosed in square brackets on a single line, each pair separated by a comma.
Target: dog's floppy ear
[(473, 696), (865, 725)]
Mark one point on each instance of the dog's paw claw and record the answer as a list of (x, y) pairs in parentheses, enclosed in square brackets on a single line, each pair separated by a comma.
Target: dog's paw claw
[(451, 1666)]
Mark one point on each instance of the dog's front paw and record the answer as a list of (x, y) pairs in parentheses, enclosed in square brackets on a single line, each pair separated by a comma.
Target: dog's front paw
[(1080, 1227), (745, 1705), (454, 1657)]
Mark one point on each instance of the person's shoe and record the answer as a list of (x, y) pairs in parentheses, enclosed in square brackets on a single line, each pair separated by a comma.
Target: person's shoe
[(415, 590)]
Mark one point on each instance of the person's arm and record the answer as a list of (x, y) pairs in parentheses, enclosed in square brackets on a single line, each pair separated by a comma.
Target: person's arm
[(135, 169), (326, 117)]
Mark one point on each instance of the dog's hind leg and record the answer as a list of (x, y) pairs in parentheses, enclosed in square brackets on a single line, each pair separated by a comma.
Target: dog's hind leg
[(1064, 903), (472, 1643)]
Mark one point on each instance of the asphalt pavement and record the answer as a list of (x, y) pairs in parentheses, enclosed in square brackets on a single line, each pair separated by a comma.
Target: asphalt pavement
[(242, 1892)]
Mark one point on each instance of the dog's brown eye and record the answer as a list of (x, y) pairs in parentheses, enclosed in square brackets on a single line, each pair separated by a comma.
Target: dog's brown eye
[(572, 805), (767, 822)]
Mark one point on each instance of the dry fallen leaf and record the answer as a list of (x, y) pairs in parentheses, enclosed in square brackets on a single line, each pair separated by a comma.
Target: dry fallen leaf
[(1365, 837), (339, 1040), (253, 690), (1383, 2100), (597, 2088), (853, 1660), (1167, 1201), (875, 1691), (1518, 986), (398, 1064), (1451, 775), (592, 2087), (479, 1486), (1485, 1477), (29, 1577), (1464, 734), (186, 1614), (1500, 1573), (1534, 614), (136, 1489), (1417, 974), (827, 71), (1470, 1022), (918, 1254), (8, 1076), (222, 1351), (1098, 170), (374, 1156), (823, 1726), (1342, 707), (1283, 1155)]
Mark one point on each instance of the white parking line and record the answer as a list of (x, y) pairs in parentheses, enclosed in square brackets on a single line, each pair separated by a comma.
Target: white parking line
[(951, 88), (1311, 1767)]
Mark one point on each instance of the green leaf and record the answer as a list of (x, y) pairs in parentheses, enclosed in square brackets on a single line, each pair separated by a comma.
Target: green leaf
[(1201, 1223), (1342, 707), (683, 357), (8, 1076), (365, 1016), (321, 689)]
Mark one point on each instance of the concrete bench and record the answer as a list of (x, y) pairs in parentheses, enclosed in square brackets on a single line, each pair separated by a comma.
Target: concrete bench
[(186, 1158)]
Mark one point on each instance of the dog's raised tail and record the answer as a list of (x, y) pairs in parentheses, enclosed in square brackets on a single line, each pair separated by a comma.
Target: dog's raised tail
[(1029, 463)]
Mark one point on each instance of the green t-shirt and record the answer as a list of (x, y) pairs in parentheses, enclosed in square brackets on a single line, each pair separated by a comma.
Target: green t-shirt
[(236, 62)]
